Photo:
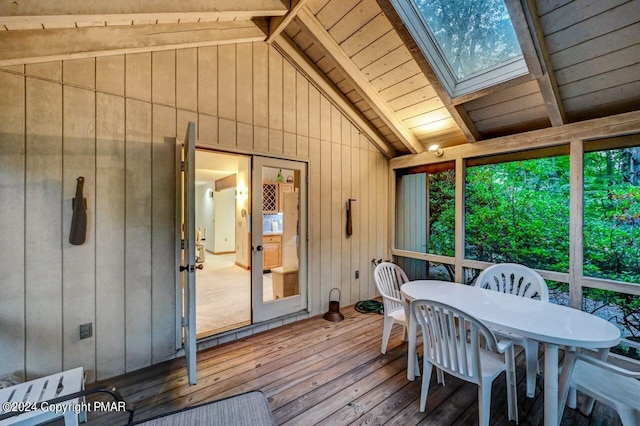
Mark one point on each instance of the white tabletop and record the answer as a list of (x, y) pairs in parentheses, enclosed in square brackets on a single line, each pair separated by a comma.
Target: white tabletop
[(545, 322)]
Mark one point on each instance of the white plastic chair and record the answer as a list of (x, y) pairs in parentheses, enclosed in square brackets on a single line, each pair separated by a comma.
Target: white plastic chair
[(612, 385), (452, 342), (389, 277), (518, 280)]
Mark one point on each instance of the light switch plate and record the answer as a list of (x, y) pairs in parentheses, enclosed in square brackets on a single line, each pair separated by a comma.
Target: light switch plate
[(86, 330)]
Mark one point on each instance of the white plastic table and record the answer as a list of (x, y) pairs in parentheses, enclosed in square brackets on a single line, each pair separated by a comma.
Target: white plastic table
[(551, 324)]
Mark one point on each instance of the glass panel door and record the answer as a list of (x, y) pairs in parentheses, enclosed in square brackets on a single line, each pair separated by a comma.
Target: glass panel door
[(279, 241)]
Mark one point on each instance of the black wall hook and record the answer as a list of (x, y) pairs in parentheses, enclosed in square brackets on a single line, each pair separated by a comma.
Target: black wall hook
[(78, 232)]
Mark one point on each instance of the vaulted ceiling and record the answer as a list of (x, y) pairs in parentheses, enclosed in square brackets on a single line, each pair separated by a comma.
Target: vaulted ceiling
[(583, 56)]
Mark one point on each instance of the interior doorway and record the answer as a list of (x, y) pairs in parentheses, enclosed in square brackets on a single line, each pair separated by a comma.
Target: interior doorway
[(223, 249), (250, 240)]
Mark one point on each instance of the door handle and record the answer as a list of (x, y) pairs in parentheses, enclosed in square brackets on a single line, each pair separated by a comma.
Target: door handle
[(259, 248)]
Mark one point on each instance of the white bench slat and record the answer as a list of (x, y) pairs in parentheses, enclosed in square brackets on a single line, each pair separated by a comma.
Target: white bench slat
[(50, 390), (35, 391), (13, 393)]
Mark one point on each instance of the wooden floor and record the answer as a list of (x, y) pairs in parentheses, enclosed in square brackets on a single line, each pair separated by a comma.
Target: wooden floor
[(317, 372)]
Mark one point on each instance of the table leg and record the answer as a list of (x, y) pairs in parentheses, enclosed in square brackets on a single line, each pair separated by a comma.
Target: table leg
[(551, 384), (411, 352)]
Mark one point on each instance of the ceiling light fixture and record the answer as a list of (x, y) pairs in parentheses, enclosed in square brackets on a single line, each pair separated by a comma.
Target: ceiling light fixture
[(436, 150)]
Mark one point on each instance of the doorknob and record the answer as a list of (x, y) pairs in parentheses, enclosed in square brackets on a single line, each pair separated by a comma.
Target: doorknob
[(259, 248)]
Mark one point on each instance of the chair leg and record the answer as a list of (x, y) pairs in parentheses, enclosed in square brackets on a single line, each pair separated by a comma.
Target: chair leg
[(564, 382), (628, 416), (531, 355), (426, 378), (82, 416), (440, 376), (386, 332), (512, 392), (70, 418), (484, 403)]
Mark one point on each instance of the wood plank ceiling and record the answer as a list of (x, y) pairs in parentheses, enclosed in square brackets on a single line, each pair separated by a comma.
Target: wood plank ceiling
[(584, 62), (583, 56)]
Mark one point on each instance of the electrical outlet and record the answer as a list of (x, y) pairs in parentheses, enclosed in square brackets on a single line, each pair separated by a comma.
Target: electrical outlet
[(86, 330), (357, 274)]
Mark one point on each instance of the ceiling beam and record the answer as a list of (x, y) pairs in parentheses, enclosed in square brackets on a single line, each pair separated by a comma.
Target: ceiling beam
[(546, 77), (458, 112), (288, 49), (29, 46), (353, 74), (616, 125), (25, 14), (279, 23)]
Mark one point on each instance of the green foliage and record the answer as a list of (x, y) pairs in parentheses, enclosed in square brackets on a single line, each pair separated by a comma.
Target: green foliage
[(442, 214), (519, 212), (611, 218)]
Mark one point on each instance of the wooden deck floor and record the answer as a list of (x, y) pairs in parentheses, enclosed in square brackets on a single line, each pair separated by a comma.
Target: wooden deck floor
[(317, 372)]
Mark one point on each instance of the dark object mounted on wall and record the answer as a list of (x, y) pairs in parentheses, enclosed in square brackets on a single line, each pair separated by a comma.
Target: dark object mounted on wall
[(349, 217), (78, 232)]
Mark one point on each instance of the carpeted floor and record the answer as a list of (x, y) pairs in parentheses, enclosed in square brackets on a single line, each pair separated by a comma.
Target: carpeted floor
[(223, 294)]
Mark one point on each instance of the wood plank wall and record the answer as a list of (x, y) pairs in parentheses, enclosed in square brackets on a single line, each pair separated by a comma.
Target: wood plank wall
[(411, 222), (113, 120)]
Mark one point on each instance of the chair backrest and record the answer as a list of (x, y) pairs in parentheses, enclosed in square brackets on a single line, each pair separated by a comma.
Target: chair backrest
[(389, 277), (515, 279), (452, 338)]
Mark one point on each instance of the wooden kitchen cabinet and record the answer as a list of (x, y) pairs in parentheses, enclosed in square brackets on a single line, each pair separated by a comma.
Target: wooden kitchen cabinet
[(272, 196), (271, 251), (282, 188)]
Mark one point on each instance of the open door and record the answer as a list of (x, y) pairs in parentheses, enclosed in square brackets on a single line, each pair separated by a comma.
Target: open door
[(186, 192)]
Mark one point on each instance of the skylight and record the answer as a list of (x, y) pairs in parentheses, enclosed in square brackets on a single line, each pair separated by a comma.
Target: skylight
[(470, 44)]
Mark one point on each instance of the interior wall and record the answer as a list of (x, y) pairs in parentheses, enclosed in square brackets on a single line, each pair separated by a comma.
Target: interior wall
[(204, 213), (113, 120), (243, 185), (224, 221)]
